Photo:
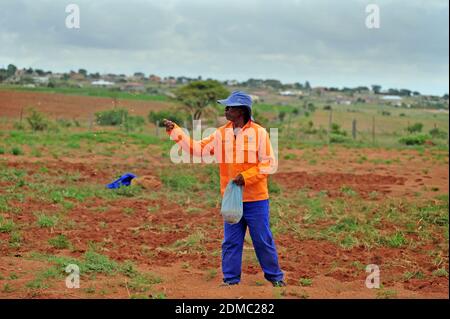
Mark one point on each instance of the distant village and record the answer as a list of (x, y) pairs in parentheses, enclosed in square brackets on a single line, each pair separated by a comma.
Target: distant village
[(260, 89)]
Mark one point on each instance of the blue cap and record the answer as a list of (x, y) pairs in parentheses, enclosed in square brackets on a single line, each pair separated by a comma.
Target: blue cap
[(238, 98)]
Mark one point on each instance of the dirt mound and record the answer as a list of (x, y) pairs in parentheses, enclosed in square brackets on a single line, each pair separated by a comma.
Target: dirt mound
[(147, 182), (335, 183), (68, 106)]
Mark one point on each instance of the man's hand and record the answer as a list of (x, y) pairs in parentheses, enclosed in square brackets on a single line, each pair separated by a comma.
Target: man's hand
[(169, 125), (239, 180)]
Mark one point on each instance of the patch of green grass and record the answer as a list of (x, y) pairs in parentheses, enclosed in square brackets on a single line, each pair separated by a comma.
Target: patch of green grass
[(37, 283), (128, 211), (128, 268), (60, 242), (396, 240), (441, 272), (7, 288), (305, 282), (386, 294), (128, 191), (347, 190), (46, 221), (290, 156), (373, 195), (143, 282), (179, 181), (15, 240), (6, 225), (315, 209), (159, 295), (98, 263), (89, 290), (13, 276), (191, 241), (16, 151), (93, 91), (274, 188), (413, 275), (193, 210), (211, 274)]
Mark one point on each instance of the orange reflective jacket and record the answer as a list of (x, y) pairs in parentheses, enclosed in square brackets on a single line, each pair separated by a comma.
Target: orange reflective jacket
[(249, 153)]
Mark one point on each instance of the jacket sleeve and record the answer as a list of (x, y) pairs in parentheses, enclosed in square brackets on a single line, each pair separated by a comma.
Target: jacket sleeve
[(267, 162), (196, 148)]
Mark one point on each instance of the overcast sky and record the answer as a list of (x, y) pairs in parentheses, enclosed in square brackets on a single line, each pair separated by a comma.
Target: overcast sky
[(323, 41)]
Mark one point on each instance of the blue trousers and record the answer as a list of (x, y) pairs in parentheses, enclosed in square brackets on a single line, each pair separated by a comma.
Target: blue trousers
[(256, 217)]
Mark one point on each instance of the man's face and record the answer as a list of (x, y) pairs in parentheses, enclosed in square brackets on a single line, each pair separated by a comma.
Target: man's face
[(233, 113)]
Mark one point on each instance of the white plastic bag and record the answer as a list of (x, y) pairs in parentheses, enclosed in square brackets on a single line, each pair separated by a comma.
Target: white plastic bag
[(232, 206)]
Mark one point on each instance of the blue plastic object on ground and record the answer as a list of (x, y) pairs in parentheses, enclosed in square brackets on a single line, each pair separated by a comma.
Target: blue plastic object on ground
[(124, 180), (232, 205)]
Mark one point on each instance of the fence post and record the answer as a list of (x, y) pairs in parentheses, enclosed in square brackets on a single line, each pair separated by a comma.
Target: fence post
[(330, 121), (21, 115), (289, 127), (91, 122), (373, 130), (354, 129), (157, 128)]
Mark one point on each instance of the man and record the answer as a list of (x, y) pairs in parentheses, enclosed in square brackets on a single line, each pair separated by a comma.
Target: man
[(246, 158)]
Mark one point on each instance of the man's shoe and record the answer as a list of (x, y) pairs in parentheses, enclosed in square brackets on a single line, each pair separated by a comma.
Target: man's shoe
[(279, 283)]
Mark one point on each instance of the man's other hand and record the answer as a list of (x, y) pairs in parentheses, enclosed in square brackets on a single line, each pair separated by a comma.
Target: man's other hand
[(239, 180), (169, 125)]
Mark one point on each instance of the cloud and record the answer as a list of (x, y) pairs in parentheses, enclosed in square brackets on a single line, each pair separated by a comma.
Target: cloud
[(323, 41)]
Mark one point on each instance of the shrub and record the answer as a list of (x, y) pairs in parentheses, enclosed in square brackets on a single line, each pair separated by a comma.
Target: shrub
[(336, 130), (338, 138), (119, 117), (415, 128), (417, 139), (37, 121), (16, 151), (385, 113), (327, 107), (437, 133), (64, 123), (111, 117), (166, 114), (18, 126), (60, 242)]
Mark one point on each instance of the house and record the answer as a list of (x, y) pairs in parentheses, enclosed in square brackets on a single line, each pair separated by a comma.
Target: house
[(133, 87), (255, 98), (154, 78), (76, 76), (291, 93), (40, 80), (232, 82), (102, 83)]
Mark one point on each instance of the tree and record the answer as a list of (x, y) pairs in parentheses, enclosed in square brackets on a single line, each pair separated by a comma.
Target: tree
[(376, 88), (3, 75), (197, 95), (11, 70), (307, 86), (82, 72), (405, 92)]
